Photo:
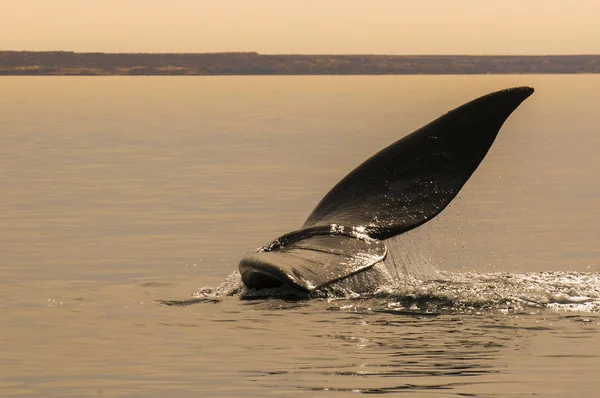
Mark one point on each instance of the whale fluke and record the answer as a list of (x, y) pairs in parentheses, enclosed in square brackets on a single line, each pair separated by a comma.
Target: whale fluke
[(310, 259), (400, 188)]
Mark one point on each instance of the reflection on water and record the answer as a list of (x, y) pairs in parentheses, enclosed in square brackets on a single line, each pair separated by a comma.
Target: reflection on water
[(375, 354), (361, 347), (118, 193)]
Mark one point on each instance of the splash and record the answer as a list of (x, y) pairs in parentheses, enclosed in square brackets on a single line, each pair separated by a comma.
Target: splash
[(565, 291), (407, 281), (450, 292)]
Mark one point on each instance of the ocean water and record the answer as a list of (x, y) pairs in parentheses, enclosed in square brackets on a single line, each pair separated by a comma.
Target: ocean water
[(127, 202)]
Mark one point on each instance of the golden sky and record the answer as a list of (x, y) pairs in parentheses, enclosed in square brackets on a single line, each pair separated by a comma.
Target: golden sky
[(307, 26)]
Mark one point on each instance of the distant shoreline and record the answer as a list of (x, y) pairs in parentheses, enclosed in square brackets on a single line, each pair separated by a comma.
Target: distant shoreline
[(66, 63)]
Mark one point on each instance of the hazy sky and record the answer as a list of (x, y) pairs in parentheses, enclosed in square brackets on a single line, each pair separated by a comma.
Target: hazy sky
[(304, 26)]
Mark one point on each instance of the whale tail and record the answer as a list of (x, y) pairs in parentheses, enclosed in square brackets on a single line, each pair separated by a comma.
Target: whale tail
[(399, 188)]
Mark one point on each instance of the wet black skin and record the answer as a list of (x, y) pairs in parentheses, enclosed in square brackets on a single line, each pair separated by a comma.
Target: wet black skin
[(398, 189)]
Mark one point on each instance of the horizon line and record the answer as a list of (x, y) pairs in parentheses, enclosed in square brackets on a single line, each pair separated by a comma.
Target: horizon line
[(310, 54)]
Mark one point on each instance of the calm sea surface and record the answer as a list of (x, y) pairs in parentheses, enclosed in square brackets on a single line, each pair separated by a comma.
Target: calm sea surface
[(120, 193)]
